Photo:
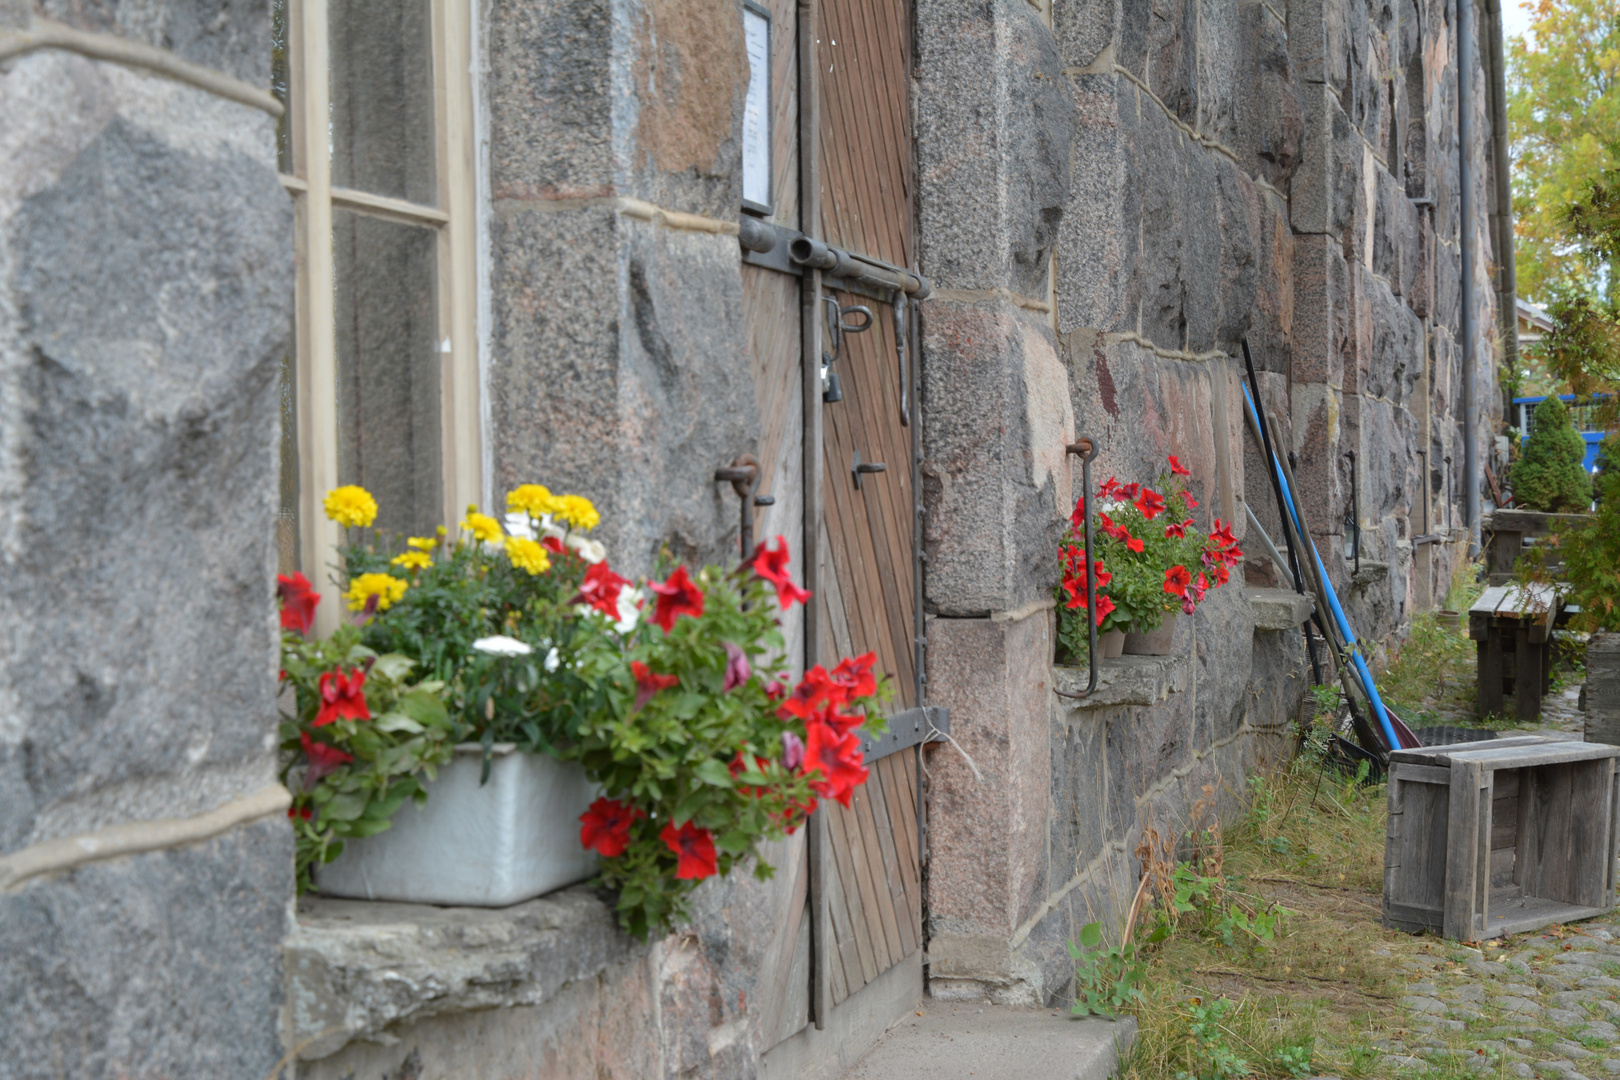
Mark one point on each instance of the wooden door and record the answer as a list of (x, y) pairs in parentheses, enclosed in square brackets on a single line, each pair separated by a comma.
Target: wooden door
[(867, 598), (847, 895)]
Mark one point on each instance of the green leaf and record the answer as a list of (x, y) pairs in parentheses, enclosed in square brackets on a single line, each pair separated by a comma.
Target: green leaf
[(734, 841), (1091, 935), (713, 772), (395, 722)]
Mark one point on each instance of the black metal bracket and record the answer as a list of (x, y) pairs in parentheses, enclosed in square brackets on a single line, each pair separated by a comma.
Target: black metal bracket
[(859, 468), (1085, 448), (1352, 513), (930, 723), (743, 475)]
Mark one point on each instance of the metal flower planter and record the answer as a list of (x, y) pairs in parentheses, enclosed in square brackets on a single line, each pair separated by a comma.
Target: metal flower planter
[(510, 839)]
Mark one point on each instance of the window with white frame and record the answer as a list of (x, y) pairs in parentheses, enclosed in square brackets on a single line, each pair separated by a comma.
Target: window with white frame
[(377, 148)]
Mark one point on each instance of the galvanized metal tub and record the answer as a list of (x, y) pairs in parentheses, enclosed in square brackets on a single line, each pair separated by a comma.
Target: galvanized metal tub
[(508, 840)]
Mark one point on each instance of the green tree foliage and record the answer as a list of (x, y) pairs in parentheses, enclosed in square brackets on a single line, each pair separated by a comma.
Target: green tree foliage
[(1563, 117), (1549, 475)]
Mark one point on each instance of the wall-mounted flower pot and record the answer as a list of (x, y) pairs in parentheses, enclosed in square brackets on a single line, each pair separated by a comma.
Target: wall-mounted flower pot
[(1449, 620), (488, 845), (1111, 644), (1155, 642)]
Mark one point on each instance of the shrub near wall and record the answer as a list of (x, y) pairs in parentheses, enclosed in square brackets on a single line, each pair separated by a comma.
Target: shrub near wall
[(1550, 476)]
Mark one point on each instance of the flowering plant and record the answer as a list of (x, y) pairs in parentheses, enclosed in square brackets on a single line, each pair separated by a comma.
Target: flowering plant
[(360, 736), (669, 693), (1151, 558)]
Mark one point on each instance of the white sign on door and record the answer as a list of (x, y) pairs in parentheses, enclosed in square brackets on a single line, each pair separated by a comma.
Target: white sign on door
[(756, 132)]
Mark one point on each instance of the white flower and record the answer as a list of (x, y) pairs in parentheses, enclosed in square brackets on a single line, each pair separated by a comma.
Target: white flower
[(500, 645), (552, 660), (517, 524), (629, 610), (592, 551)]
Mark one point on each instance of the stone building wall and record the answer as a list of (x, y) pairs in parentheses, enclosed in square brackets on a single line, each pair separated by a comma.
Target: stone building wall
[(1111, 195), (1122, 191), (146, 291)]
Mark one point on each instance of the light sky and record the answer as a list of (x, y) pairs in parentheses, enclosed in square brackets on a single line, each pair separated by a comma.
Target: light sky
[(1515, 20)]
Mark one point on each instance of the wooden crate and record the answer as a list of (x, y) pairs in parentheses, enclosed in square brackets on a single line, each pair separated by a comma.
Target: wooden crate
[(1500, 837)]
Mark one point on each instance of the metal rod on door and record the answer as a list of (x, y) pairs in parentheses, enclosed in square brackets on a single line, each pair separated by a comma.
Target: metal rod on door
[(743, 474)]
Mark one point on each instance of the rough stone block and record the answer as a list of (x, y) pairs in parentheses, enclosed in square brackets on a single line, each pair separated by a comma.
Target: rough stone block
[(1271, 105), (1098, 241), (988, 827), (1278, 609), (161, 964), (666, 383), (1127, 680), (1083, 29), (232, 36), (149, 262), (1321, 316), (996, 475), (1324, 189)]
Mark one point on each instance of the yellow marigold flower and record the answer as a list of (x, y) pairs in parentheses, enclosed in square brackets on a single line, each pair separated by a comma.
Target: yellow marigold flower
[(385, 587), (532, 499), (413, 560), (527, 555), (483, 527), (351, 506), (423, 543), (577, 511)]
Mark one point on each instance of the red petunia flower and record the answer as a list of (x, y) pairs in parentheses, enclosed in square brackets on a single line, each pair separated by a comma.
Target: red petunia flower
[(1177, 468), (1222, 534), (835, 757), (695, 849), (649, 683), (773, 567), (1129, 492), (1134, 544), (342, 697), (1075, 584), (1222, 574), (605, 827), (677, 596), (1192, 503), (1151, 503), (1109, 489), (1176, 580), (1177, 531), (1105, 605), (855, 676), (1078, 518), (323, 759), (814, 690), (739, 765), (1199, 587), (601, 589), (298, 602), (553, 545)]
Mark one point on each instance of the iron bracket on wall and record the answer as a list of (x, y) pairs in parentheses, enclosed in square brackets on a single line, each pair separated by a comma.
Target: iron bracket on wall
[(913, 727), (743, 475), (1085, 448)]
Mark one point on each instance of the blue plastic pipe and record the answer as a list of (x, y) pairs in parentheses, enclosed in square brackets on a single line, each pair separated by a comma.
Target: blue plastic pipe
[(1332, 597)]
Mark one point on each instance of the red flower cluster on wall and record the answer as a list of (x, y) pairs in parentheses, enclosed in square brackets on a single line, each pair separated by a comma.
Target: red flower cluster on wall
[(342, 697), (648, 682)]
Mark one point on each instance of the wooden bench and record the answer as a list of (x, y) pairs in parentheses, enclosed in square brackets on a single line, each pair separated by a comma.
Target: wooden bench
[(1500, 837), (1508, 621)]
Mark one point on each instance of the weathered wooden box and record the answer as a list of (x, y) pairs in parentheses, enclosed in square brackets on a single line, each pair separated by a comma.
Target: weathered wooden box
[(1500, 837)]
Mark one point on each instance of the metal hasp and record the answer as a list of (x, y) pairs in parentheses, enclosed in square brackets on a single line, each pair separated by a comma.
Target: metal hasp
[(743, 475), (1352, 514), (754, 235), (1085, 448), (831, 390), (858, 467)]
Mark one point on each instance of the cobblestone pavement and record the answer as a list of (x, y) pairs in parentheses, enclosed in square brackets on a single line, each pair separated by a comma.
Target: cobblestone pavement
[(1538, 1005)]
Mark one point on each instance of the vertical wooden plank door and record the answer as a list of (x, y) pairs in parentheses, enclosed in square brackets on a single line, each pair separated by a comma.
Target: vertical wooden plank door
[(866, 593)]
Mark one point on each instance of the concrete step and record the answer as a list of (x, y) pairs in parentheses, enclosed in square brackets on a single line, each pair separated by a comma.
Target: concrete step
[(956, 1040)]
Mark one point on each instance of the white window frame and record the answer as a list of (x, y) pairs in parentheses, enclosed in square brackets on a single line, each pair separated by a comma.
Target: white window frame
[(455, 219)]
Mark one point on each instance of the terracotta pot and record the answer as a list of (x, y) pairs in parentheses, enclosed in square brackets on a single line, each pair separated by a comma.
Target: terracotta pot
[(1154, 642), (1451, 620), (1111, 644)]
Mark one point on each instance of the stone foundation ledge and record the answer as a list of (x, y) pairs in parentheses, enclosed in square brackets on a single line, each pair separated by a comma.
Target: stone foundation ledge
[(1278, 609), (354, 968), (1124, 680)]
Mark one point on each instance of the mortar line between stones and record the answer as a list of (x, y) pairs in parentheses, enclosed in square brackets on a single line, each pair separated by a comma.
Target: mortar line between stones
[(1050, 903)]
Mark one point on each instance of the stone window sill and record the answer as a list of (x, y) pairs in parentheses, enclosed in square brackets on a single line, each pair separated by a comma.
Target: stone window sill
[(1125, 680), (356, 967), (1278, 609)]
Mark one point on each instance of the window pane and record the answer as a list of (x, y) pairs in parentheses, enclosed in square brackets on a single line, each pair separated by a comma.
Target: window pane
[(382, 98), (279, 85), (388, 367), (287, 514)]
